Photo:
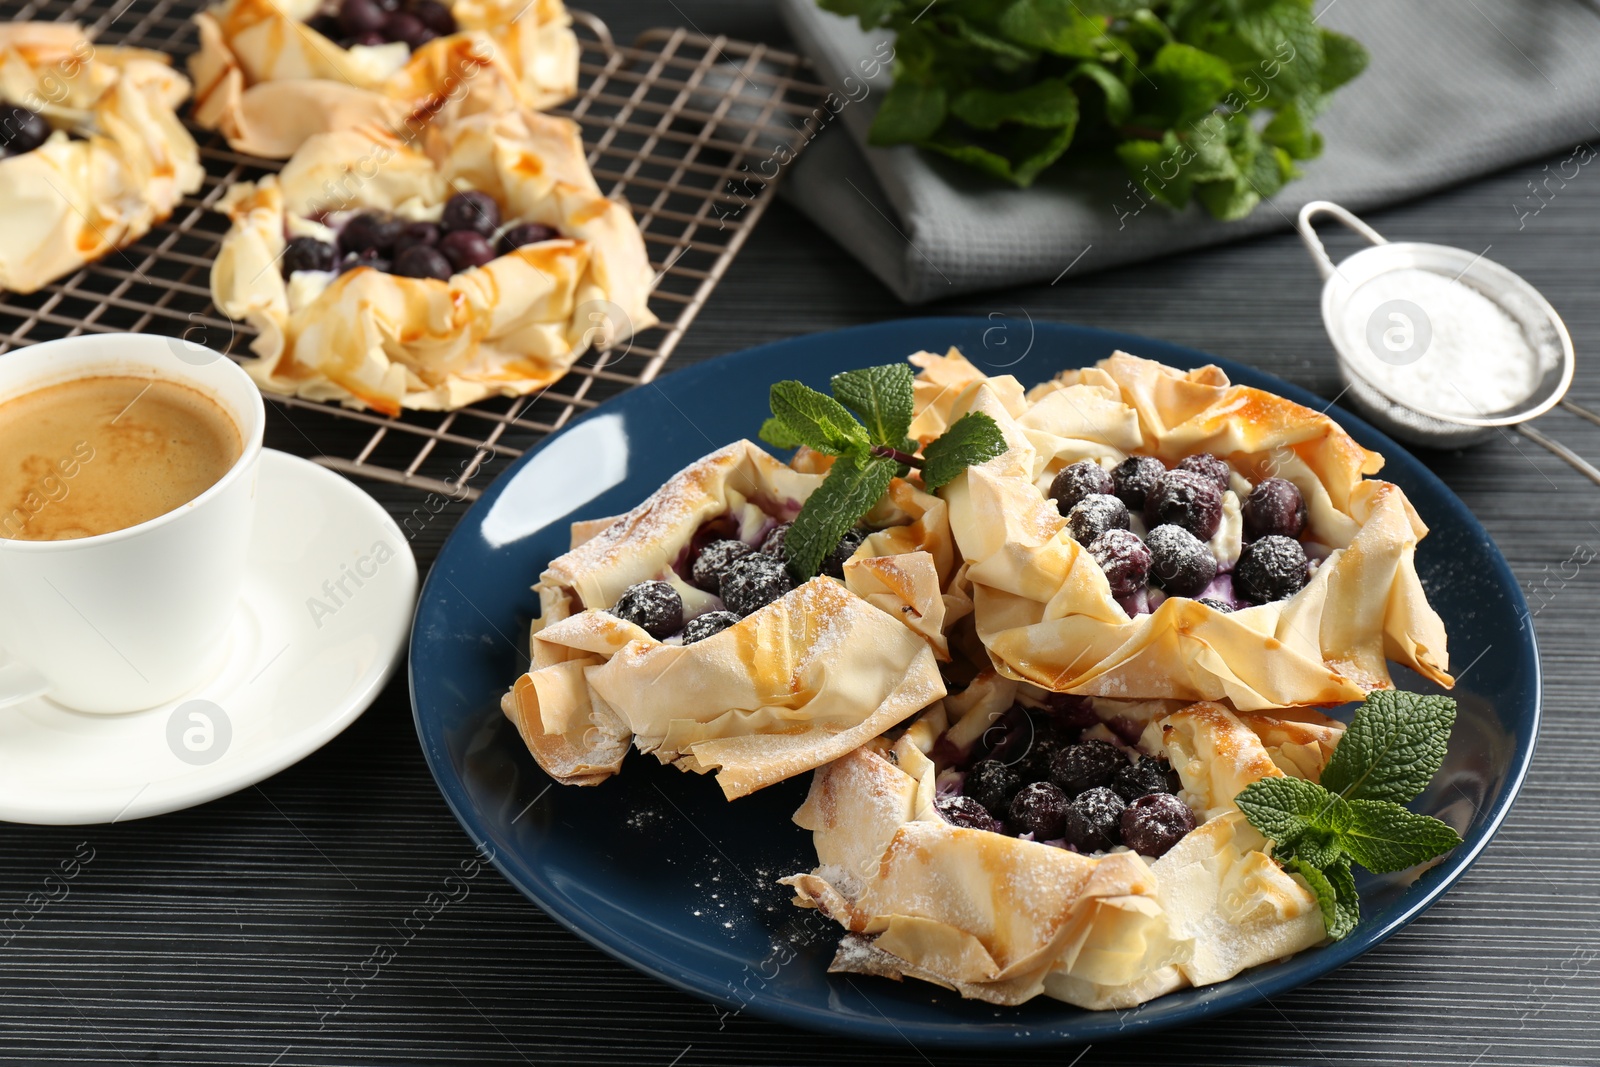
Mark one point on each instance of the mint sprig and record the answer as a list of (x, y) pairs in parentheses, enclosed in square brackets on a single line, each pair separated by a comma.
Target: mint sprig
[(1389, 753), (1201, 100), (864, 424)]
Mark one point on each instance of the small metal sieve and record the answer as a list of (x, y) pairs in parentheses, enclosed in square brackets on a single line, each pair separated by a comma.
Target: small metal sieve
[(1398, 332)]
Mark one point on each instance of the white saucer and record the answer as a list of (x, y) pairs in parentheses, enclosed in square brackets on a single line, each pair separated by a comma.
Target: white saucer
[(304, 659)]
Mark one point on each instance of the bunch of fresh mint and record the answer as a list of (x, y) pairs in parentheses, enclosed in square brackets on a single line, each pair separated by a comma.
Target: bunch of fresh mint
[(871, 451), (1211, 100), (1391, 750)]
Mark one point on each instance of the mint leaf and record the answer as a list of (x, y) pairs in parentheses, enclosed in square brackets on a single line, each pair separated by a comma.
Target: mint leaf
[(1058, 26), (910, 112), (1383, 836), (1286, 809), (853, 485), (817, 419), (1317, 847), (974, 438), (1392, 748), (1285, 33), (1189, 82), (776, 433), (1334, 886), (1018, 155), (882, 398), (1119, 101), (1049, 103), (1343, 59)]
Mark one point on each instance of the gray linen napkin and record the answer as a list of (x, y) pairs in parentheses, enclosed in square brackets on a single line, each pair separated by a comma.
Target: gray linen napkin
[(1456, 88)]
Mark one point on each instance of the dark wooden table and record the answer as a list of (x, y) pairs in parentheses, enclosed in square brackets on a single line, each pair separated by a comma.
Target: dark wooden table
[(213, 935)]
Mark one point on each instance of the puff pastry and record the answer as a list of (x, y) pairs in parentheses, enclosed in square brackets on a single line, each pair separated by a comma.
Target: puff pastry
[(1003, 919), (818, 672), (76, 198), (267, 81), (379, 340), (1043, 608)]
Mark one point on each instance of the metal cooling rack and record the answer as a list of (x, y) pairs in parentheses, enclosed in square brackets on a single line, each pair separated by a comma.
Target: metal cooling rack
[(677, 125)]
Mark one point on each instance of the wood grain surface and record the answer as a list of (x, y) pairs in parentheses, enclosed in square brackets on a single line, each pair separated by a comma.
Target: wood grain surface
[(220, 935)]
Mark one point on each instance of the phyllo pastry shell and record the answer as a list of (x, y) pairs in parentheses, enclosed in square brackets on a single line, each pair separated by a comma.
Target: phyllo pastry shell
[(267, 80), (116, 161), (815, 673), (370, 338), (1043, 606), (1004, 919)]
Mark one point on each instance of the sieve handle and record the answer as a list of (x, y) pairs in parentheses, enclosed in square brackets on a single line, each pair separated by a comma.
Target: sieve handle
[(1308, 232)]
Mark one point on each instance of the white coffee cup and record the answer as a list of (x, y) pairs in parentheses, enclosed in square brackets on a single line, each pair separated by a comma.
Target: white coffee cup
[(133, 618)]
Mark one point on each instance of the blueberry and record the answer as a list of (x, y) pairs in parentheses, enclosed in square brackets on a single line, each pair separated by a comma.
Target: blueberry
[(1134, 478), (465, 248), (326, 25), (654, 607), (525, 233), (1086, 765), (1150, 775), (1039, 808), (1272, 568), (992, 784), (416, 233), (713, 562), (1093, 821), (772, 544), (833, 565), (434, 15), (1042, 749), (473, 211), (420, 261), (1274, 507), (708, 625), (1217, 605), (1208, 466), (1076, 481), (753, 581), (370, 258), (1152, 824), (308, 253), (361, 16), (369, 232), (1094, 515), (1124, 559), (21, 130), (407, 28), (1180, 562), (964, 811), (1187, 499)]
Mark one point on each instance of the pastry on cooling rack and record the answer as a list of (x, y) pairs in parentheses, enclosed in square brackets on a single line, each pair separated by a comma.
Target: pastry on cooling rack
[(677, 629), (91, 151), (1120, 868), (1157, 533), (270, 73), (478, 260)]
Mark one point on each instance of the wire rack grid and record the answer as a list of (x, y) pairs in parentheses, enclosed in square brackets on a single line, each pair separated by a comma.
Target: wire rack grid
[(686, 129)]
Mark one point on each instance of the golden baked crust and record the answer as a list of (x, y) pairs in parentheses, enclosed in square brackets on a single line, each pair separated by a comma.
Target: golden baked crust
[(1004, 920), (1042, 606), (820, 671), (74, 199), (267, 81), (508, 328)]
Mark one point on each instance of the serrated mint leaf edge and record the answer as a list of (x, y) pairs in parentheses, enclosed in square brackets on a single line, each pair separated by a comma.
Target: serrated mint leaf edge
[(973, 438), (882, 397), (817, 419), (1356, 772), (833, 509)]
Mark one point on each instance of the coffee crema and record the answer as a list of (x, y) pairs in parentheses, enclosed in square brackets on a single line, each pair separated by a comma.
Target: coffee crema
[(93, 455)]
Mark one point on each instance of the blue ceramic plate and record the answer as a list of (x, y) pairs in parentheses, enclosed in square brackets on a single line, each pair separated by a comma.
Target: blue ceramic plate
[(657, 869)]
